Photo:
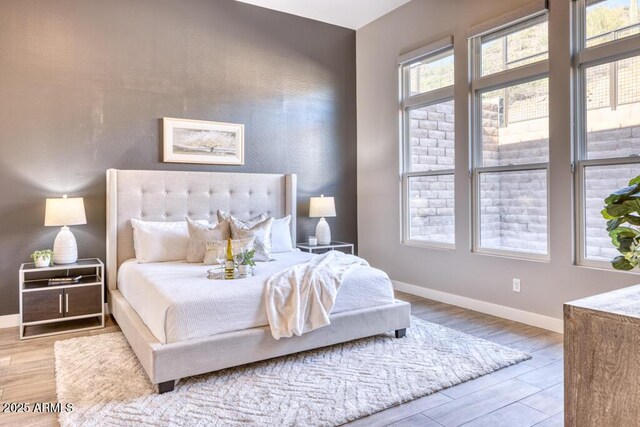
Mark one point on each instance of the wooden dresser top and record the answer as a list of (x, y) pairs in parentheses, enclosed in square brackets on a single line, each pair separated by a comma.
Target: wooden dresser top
[(623, 302)]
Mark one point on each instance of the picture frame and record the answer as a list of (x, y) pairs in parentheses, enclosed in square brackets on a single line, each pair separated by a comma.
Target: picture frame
[(204, 142)]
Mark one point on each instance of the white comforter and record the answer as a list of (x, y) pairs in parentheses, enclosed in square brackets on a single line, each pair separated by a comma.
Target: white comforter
[(301, 298), (177, 302)]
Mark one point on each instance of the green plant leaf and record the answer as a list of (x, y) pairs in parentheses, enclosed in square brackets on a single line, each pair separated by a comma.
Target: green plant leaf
[(621, 263), (625, 244), (622, 238), (612, 224), (625, 232), (622, 194), (630, 205), (606, 215), (632, 219), (635, 180)]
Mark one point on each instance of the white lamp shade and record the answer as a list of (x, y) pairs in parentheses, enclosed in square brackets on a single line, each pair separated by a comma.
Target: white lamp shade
[(65, 211), (320, 207)]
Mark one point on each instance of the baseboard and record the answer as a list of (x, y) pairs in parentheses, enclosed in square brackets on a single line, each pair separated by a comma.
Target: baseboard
[(9, 321), (526, 317)]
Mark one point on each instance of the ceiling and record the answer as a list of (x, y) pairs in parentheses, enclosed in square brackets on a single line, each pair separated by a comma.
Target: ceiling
[(352, 14)]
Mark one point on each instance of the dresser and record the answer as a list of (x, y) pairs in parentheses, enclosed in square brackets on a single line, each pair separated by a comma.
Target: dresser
[(602, 359)]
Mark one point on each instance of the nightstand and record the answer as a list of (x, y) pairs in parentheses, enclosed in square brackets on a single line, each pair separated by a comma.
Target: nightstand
[(56, 309), (324, 248)]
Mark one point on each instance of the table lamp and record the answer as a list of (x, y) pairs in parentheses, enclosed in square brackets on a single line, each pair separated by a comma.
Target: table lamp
[(321, 207), (64, 212)]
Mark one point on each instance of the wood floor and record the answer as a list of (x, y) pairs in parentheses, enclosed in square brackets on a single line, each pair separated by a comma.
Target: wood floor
[(529, 393)]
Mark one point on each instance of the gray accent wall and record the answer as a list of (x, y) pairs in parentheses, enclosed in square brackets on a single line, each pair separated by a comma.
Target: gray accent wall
[(84, 84), (545, 285)]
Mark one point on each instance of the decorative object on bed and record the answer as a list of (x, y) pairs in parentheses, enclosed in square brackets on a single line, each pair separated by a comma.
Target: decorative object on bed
[(321, 207), (158, 241), (65, 211), (229, 267), (261, 232), (310, 388), (246, 266), (216, 251), (215, 274), (248, 258), (214, 248), (42, 258), (201, 233), (198, 141)]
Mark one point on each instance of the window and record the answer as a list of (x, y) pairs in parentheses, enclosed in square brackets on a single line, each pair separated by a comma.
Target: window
[(511, 139), (609, 20), (431, 74), (517, 45), (608, 117), (428, 146)]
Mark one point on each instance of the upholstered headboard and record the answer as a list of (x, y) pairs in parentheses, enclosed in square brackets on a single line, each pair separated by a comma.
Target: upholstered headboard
[(172, 195)]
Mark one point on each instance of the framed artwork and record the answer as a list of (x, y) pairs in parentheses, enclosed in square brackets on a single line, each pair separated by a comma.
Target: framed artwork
[(198, 141)]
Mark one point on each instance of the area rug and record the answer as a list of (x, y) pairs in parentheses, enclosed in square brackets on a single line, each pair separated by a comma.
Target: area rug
[(102, 378)]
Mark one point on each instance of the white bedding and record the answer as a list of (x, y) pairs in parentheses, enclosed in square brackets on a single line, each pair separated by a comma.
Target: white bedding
[(177, 302)]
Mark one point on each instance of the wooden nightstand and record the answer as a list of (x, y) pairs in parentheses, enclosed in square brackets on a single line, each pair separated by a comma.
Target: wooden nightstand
[(56, 309), (324, 248)]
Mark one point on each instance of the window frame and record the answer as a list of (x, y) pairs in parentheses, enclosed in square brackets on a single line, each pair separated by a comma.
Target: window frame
[(584, 58), (408, 103), (479, 85)]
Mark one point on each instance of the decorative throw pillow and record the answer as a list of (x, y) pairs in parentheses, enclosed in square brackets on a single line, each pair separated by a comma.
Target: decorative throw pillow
[(261, 233), (222, 216), (199, 234), (281, 235), (280, 231), (212, 248), (159, 241)]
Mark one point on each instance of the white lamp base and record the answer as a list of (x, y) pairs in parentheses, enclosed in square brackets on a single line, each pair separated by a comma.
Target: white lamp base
[(65, 249), (323, 232)]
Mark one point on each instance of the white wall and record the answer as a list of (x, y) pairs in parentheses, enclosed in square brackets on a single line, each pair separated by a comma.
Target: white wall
[(545, 285)]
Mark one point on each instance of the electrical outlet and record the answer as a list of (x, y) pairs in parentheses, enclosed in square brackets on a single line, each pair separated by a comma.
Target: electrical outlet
[(516, 285)]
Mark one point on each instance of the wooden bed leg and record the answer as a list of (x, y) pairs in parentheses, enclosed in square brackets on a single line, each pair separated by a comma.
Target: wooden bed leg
[(401, 333), (166, 387)]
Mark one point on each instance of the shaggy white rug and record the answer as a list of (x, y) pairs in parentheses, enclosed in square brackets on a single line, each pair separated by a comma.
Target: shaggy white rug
[(102, 378)]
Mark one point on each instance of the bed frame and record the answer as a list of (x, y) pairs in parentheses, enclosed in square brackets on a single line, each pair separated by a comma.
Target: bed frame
[(169, 196)]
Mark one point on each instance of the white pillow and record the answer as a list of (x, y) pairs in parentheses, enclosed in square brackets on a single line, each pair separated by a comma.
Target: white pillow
[(157, 241), (281, 235)]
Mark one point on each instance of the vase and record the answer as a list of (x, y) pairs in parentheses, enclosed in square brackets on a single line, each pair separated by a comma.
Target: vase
[(243, 270), (42, 261)]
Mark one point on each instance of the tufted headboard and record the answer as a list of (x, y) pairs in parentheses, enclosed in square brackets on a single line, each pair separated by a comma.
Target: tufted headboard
[(172, 195)]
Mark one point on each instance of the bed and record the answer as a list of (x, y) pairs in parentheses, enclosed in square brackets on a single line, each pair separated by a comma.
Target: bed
[(179, 323)]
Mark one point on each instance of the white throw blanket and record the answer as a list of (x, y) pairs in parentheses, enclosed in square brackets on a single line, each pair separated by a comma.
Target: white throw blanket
[(300, 298)]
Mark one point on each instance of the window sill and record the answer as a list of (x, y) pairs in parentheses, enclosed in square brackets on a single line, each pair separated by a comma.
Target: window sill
[(603, 266), (429, 245), (521, 256)]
